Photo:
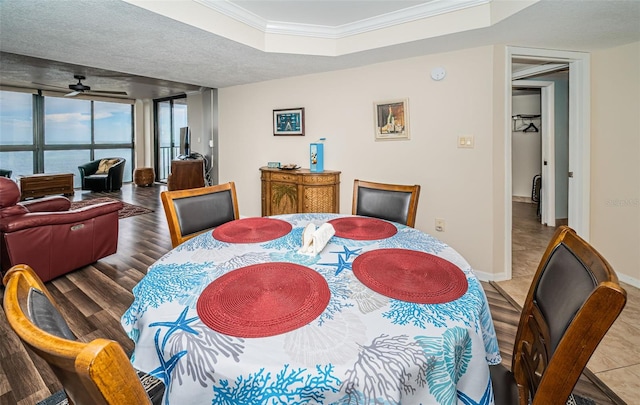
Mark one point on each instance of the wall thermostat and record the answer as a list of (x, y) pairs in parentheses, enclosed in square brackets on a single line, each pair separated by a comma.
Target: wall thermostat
[(438, 73)]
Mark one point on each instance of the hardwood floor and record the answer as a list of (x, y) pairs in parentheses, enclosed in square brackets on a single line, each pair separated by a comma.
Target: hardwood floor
[(93, 299)]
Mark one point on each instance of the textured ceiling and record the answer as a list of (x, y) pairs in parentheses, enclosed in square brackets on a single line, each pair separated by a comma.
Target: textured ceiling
[(121, 47)]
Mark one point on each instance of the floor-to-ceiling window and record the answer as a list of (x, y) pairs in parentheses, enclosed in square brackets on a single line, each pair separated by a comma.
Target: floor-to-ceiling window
[(171, 115), (46, 134), (17, 143)]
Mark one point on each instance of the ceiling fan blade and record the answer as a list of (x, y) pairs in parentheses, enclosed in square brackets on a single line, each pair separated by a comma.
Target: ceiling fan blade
[(115, 93), (72, 94), (49, 85)]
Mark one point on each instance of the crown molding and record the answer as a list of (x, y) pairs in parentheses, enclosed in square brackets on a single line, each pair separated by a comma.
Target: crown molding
[(398, 17)]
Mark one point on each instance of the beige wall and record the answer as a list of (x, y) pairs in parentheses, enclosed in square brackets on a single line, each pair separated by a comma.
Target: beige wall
[(456, 183), (464, 186), (615, 158)]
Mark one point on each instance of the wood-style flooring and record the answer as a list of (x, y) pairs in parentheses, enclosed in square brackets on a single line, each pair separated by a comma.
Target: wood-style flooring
[(93, 299)]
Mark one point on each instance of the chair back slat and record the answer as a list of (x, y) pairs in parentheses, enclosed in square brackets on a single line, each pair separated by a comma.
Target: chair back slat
[(392, 202)]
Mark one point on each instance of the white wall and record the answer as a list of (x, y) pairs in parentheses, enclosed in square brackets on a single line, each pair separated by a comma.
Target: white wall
[(457, 184), (526, 147), (615, 158)]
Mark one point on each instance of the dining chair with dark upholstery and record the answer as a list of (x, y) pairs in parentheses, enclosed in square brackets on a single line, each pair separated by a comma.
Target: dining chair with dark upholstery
[(393, 202), (93, 373), (193, 211), (573, 300)]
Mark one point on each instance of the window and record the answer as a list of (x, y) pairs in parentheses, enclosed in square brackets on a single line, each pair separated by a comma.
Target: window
[(55, 134), (171, 115), (16, 118)]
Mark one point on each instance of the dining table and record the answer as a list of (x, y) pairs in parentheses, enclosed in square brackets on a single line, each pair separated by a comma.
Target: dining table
[(378, 313)]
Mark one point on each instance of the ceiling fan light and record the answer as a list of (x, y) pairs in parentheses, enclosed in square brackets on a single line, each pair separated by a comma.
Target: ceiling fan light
[(79, 87)]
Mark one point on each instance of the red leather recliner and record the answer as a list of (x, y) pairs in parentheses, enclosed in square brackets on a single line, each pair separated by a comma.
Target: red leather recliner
[(51, 239)]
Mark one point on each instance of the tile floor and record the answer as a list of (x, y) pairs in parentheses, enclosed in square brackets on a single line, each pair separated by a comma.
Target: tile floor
[(617, 359)]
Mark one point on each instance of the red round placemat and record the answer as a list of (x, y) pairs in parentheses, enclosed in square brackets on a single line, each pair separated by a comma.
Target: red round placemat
[(263, 299), (411, 276), (363, 228), (251, 230)]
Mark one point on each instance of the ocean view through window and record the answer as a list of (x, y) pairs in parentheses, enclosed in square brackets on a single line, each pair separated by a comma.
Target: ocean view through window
[(43, 134)]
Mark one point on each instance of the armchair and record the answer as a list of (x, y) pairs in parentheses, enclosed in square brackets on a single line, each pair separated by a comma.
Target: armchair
[(48, 236), (102, 174)]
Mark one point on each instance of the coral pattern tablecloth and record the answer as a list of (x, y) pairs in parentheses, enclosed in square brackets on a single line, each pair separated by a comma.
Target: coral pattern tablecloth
[(363, 348)]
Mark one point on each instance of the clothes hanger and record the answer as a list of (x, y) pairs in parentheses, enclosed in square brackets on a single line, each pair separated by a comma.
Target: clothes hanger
[(531, 128)]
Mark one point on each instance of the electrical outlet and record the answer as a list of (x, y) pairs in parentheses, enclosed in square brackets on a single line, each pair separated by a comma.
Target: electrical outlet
[(440, 223)]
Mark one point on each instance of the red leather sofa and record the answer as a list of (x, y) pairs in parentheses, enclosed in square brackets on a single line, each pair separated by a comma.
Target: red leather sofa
[(49, 237)]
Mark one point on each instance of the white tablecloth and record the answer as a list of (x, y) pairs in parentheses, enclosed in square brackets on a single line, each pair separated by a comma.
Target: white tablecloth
[(364, 348)]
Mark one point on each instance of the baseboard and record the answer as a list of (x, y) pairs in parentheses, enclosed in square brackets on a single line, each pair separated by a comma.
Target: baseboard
[(629, 280), (488, 277)]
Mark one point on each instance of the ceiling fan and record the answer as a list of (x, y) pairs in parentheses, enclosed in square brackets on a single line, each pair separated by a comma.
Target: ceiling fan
[(79, 88)]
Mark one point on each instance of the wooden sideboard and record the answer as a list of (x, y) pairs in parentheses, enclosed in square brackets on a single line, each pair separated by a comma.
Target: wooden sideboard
[(299, 191), (40, 185)]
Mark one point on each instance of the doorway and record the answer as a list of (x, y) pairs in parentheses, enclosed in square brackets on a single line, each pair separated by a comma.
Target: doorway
[(533, 142), (579, 134), (170, 115)]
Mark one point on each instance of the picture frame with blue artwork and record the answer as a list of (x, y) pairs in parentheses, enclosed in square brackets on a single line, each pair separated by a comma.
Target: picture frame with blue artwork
[(288, 121)]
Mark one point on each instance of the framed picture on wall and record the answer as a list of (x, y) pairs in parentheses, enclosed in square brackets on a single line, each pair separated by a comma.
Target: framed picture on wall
[(391, 119), (288, 122)]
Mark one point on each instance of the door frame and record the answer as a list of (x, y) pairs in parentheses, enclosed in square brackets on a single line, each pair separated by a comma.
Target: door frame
[(579, 139), (547, 123)]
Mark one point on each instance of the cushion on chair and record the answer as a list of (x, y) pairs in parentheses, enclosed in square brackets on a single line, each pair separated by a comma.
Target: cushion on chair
[(562, 289), (204, 211), (384, 204), (46, 317), (9, 192), (12, 211), (505, 389), (105, 165)]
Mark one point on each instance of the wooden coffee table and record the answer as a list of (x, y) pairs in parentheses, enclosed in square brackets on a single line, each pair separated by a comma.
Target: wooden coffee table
[(40, 185)]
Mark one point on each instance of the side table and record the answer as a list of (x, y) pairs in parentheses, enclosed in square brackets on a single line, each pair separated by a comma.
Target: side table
[(143, 176)]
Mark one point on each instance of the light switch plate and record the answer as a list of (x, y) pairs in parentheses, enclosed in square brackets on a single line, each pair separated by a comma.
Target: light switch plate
[(465, 141)]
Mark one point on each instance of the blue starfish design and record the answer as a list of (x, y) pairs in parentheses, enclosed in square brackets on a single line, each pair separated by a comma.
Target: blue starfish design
[(180, 323), (163, 371), (347, 253), (486, 397), (341, 265)]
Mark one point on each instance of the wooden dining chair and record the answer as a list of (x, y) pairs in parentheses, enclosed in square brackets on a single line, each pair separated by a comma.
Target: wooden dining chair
[(393, 202), (93, 373), (193, 211), (573, 300)]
